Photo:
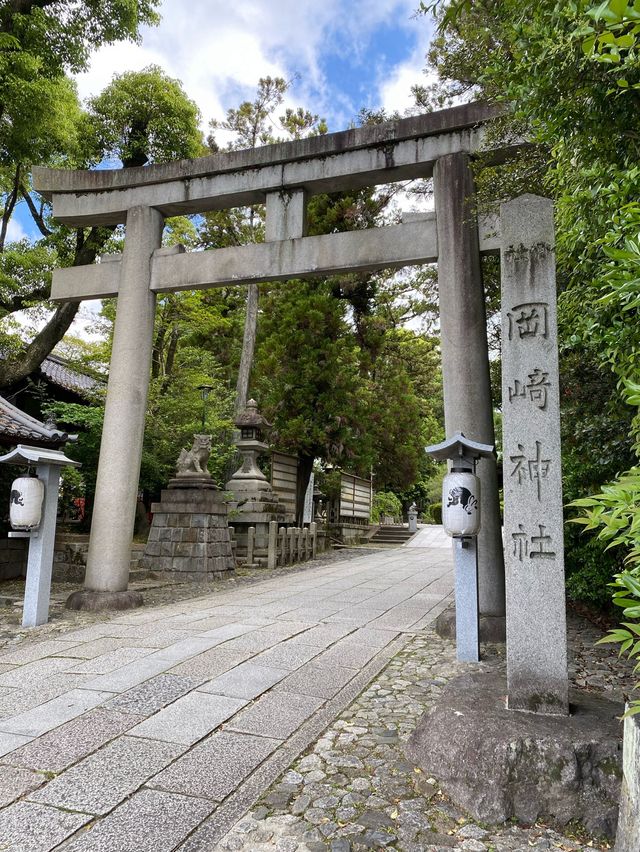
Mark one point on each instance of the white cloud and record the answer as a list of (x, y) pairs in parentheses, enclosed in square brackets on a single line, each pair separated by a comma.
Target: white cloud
[(219, 51), (15, 231), (395, 86)]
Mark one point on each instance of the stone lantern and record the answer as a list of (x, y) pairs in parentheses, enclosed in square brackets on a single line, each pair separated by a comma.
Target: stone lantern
[(36, 498), (254, 503), (253, 429)]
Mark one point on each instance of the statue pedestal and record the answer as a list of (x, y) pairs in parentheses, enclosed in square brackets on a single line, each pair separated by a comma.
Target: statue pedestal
[(189, 534), (254, 505)]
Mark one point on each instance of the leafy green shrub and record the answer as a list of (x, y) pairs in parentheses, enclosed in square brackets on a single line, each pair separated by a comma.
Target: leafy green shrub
[(435, 510), (590, 567), (615, 513), (385, 503)]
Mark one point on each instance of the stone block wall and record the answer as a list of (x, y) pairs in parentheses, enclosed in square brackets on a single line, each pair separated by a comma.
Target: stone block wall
[(193, 549), (13, 558), (189, 534)]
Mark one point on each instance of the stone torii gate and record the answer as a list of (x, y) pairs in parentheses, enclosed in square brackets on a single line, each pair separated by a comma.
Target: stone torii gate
[(282, 176)]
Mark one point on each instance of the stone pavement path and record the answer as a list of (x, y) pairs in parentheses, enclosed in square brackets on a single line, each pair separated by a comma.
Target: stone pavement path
[(158, 729)]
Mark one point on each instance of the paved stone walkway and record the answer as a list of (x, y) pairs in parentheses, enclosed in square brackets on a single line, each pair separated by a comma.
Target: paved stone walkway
[(157, 730)]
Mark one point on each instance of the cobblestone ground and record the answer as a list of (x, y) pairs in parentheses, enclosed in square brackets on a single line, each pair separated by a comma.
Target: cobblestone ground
[(354, 790)]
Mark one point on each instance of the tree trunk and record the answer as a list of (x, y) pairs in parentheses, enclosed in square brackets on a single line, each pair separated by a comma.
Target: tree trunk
[(305, 467), (248, 347), (41, 345), (47, 338)]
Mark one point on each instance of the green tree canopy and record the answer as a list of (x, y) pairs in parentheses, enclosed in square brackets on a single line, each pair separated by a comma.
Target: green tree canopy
[(145, 117)]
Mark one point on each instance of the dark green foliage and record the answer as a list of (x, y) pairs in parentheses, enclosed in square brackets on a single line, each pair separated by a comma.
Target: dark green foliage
[(546, 62), (145, 117)]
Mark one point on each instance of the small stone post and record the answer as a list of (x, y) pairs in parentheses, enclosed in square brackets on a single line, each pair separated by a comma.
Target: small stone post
[(291, 533), (534, 546), (251, 538), (282, 533), (465, 359), (313, 531), (272, 550)]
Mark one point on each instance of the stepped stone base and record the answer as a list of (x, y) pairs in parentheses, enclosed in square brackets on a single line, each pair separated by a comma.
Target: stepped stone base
[(189, 534), (498, 763), (492, 627), (92, 601)]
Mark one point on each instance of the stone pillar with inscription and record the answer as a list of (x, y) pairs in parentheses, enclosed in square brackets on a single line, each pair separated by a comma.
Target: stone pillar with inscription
[(534, 556)]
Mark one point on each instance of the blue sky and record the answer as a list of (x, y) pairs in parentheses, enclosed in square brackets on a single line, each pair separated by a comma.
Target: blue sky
[(345, 54), (341, 55)]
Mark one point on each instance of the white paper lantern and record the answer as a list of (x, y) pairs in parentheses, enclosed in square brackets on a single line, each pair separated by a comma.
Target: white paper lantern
[(25, 506), (461, 504)]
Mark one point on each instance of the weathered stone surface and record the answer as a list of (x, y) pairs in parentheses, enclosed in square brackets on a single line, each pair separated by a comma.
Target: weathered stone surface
[(233, 755), (15, 782), (499, 763), (492, 627), (45, 717), (188, 719), (321, 681), (275, 715), (189, 534), (10, 742), (27, 826), (150, 821), (533, 518), (245, 681), (149, 697), (101, 781), (628, 835), (465, 359), (95, 601), (73, 741)]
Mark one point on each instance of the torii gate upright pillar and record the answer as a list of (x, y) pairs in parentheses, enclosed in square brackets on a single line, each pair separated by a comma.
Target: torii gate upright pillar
[(465, 364), (109, 556)]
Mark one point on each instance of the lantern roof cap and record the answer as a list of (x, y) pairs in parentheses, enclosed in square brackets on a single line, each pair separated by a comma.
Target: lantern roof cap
[(26, 455), (252, 417), (458, 446)]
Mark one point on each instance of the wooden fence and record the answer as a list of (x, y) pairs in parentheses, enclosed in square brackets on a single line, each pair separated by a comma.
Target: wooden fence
[(355, 499), (285, 545), (284, 480)]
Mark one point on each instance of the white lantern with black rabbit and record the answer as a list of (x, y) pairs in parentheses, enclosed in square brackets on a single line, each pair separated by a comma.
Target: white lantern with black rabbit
[(461, 503), (25, 506)]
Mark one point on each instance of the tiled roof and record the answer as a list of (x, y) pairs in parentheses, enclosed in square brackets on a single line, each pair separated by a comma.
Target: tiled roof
[(61, 374), (16, 427)]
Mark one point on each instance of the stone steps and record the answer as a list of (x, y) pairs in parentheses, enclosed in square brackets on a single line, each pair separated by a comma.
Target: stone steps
[(391, 535)]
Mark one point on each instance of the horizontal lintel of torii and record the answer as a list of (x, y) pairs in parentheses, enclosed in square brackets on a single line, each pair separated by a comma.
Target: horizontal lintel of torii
[(336, 162), (388, 247)]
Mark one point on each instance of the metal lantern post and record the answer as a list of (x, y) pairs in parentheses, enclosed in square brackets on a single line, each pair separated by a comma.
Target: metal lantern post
[(205, 390), (48, 465), (461, 520)]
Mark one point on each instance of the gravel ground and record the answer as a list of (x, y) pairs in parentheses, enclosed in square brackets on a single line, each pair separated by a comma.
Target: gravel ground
[(354, 790)]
